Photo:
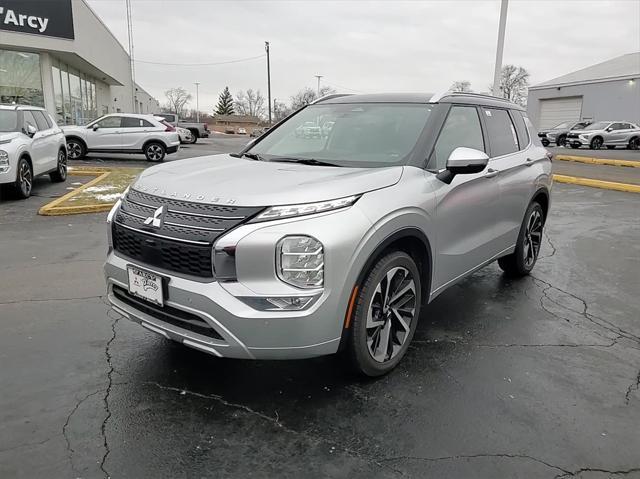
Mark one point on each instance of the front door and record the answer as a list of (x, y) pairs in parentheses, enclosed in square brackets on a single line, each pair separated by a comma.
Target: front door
[(465, 210), (104, 134), (134, 132), (38, 148)]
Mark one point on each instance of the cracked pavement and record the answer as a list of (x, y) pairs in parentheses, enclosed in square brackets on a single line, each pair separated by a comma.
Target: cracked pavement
[(532, 378)]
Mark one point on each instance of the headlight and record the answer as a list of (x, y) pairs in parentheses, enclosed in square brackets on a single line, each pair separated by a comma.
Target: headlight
[(300, 261), (4, 161), (277, 212)]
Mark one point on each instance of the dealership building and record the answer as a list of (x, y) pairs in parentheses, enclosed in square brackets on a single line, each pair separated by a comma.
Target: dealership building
[(605, 91), (59, 55)]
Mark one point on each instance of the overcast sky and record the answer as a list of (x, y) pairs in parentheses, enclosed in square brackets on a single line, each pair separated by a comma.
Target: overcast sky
[(362, 46)]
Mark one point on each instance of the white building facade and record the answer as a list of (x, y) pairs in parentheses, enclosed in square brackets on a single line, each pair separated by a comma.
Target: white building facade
[(606, 91), (59, 55)]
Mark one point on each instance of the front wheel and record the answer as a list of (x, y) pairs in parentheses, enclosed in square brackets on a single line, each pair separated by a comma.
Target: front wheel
[(75, 149), (386, 315), (596, 143), (60, 174), (561, 141), (155, 152), (24, 179), (523, 259), (194, 137)]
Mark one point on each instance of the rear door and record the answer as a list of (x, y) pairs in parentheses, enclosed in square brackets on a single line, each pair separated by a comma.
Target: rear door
[(51, 145), (465, 228), (105, 134), (134, 132), (618, 135)]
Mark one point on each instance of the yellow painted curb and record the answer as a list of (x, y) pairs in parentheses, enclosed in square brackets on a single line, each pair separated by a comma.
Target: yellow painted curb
[(599, 161), (50, 208), (607, 185)]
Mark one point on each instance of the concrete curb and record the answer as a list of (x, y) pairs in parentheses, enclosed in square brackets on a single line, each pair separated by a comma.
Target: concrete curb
[(52, 208), (607, 185), (598, 161)]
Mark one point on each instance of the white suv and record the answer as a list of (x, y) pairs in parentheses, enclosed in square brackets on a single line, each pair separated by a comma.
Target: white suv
[(31, 144), (123, 133)]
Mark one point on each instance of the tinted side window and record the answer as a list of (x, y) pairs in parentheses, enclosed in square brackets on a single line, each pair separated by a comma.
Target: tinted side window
[(40, 120), (461, 128), (502, 134), (110, 122), (28, 119), (521, 129), (128, 122)]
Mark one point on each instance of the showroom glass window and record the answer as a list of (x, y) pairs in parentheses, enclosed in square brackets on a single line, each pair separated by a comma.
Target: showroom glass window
[(75, 95), (20, 78), (57, 94)]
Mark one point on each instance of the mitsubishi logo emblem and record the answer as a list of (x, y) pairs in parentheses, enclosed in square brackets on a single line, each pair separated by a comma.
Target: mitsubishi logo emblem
[(157, 219)]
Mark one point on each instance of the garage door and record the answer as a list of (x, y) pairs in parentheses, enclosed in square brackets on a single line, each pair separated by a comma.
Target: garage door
[(557, 110)]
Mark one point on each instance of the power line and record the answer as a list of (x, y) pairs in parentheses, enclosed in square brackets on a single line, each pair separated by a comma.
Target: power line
[(202, 64), (335, 85)]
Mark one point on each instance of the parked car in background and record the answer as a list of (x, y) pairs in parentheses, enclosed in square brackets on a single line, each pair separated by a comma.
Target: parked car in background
[(241, 131), (558, 134), (184, 134), (229, 130), (198, 130), (295, 248), (605, 133), (31, 144), (123, 133)]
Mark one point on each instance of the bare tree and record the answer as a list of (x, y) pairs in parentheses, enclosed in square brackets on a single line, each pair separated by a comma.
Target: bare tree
[(177, 99), (250, 103), (308, 95), (514, 82), (280, 110), (461, 86)]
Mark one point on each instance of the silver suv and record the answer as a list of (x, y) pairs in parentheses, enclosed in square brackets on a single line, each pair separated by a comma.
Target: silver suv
[(606, 133), (305, 246)]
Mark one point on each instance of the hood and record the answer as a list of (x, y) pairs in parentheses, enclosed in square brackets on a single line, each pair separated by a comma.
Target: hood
[(584, 132), (8, 136), (224, 179)]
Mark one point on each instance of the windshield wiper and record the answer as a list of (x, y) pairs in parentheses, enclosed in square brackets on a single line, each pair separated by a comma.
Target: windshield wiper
[(254, 156), (304, 161)]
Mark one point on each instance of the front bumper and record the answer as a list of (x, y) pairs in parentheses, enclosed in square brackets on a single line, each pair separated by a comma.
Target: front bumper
[(242, 331)]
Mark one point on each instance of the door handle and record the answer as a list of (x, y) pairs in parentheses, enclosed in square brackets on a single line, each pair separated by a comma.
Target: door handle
[(529, 162), (491, 173)]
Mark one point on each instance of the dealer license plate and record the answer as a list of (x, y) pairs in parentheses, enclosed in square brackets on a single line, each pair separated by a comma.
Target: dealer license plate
[(145, 285)]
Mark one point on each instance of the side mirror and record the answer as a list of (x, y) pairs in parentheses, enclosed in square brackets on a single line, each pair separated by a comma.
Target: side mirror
[(95, 127), (609, 129), (463, 161), (31, 130)]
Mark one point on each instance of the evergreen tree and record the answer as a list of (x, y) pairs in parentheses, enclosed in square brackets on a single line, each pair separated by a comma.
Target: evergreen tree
[(225, 103)]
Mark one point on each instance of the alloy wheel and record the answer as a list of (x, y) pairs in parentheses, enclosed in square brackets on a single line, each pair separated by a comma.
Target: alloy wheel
[(25, 178), (532, 238), (154, 152), (596, 143), (62, 165), (74, 150), (390, 314)]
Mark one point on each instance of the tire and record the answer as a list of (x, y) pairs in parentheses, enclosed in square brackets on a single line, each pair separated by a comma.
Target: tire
[(634, 143), (609, 147), (24, 179), (60, 174), (596, 143), (561, 140), (523, 259), (375, 318), (545, 143), (76, 149), (194, 137), (155, 152)]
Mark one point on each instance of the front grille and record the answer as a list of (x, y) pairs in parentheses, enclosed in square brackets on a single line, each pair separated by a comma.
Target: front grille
[(168, 314), (184, 241)]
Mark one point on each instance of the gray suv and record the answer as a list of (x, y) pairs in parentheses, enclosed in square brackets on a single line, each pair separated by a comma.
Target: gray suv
[(306, 246)]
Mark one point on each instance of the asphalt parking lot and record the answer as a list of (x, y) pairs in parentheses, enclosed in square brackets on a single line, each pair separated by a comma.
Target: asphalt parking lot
[(531, 378)]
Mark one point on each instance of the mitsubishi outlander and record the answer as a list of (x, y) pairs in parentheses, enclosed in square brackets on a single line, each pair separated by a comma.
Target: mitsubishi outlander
[(307, 245)]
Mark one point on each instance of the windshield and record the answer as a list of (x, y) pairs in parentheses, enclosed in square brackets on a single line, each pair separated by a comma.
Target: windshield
[(8, 120), (561, 126), (368, 135), (598, 125)]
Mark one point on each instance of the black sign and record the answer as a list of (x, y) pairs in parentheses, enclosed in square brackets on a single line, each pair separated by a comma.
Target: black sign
[(51, 18)]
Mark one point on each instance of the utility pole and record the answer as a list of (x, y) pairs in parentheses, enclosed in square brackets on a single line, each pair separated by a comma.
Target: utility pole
[(266, 47), (197, 102), (318, 77), (498, 70), (275, 108), (132, 61)]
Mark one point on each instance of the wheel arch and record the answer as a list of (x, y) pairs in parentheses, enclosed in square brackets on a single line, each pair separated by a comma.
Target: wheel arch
[(633, 137), (195, 132), (27, 156), (76, 138), (153, 140), (542, 197)]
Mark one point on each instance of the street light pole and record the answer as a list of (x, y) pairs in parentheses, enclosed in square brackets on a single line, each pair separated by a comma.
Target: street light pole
[(318, 77), (266, 47), (197, 102), (503, 25)]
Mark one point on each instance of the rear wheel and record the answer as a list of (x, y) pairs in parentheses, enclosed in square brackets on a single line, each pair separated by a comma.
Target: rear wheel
[(386, 315), (634, 143), (155, 152), (596, 143), (194, 136), (24, 179), (60, 174), (562, 140), (75, 149), (523, 259)]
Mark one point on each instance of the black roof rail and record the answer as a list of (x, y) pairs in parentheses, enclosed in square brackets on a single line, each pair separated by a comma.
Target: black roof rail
[(330, 97), (477, 95)]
